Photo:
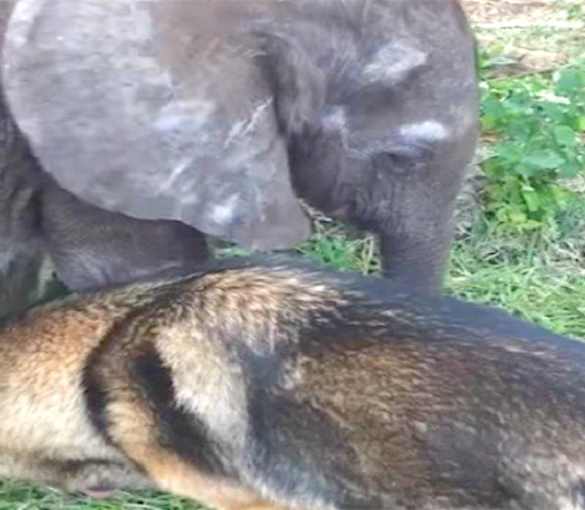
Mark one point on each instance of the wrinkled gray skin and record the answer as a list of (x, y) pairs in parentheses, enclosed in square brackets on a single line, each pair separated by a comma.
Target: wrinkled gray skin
[(46, 230), (25, 266), (220, 114)]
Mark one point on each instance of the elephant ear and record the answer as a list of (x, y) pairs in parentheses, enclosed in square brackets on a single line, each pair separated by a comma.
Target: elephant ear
[(128, 117), (298, 84)]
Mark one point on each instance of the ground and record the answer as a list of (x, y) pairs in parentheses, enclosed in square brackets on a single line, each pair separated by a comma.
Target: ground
[(539, 278), (544, 282)]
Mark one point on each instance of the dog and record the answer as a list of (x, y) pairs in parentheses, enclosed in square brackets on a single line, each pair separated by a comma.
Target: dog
[(270, 384)]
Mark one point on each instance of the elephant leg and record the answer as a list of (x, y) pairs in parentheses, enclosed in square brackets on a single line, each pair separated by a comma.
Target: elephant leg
[(94, 248), (27, 274)]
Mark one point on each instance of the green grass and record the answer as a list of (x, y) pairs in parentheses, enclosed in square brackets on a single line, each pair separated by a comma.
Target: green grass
[(532, 281), (19, 496), (553, 297)]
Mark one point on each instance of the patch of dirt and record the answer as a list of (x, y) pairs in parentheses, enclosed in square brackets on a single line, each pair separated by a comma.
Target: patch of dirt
[(535, 35), (524, 13)]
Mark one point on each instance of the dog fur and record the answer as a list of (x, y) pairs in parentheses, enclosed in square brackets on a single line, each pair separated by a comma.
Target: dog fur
[(266, 384)]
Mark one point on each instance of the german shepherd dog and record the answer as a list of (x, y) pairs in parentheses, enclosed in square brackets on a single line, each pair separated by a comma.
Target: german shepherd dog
[(264, 384)]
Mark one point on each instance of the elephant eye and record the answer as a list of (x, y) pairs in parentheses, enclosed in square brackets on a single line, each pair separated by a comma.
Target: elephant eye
[(390, 162), (386, 158), (399, 160)]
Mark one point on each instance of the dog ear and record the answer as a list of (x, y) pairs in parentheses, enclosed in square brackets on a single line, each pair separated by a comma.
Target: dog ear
[(298, 84)]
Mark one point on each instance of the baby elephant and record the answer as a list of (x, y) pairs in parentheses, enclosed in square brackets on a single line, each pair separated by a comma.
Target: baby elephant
[(268, 385), (223, 114)]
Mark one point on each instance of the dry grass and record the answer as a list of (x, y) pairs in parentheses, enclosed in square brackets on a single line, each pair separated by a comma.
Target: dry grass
[(514, 12), (539, 34)]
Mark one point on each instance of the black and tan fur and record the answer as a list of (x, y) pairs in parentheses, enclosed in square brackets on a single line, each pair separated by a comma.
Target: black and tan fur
[(271, 386)]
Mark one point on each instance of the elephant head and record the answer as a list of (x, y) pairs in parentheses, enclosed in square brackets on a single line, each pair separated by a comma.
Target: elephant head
[(221, 114), (47, 234)]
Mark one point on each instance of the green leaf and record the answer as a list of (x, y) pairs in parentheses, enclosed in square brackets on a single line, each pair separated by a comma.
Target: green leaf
[(517, 217), (564, 135), (489, 122), (543, 160), (502, 215), (569, 169), (561, 196), (491, 166), (581, 123), (510, 152), (570, 82), (532, 225), (532, 200), (493, 113), (522, 128), (554, 111), (575, 12)]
